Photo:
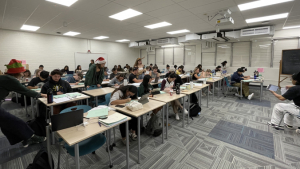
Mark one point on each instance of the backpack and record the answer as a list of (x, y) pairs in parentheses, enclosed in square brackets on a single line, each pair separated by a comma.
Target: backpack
[(195, 109), (154, 126), (38, 125), (40, 161)]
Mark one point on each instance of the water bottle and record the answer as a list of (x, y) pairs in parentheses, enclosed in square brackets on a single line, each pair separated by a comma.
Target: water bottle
[(192, 85), (49, 96), (178, 88), (125, 82)]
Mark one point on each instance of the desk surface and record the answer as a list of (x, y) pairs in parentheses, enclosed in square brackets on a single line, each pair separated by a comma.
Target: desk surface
[(77, 86), (105, 82), (188, 92), (99, 92), (163, 74), (73, 135), (201, 87), (255, 81), (44, 100), (151, 105), (166, 97), (208, 79)]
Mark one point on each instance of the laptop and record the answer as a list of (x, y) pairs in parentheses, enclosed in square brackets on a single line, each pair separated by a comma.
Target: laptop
[(156, 80), (70, 72), (144, 99), (66, 120)]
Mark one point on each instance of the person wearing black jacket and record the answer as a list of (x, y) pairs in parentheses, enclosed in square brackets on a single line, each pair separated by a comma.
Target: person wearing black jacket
[(58, 87), (178, 78)]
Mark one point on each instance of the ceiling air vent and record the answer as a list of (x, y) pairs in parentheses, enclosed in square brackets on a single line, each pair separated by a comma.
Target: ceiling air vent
[(268, 30), (167, 41)]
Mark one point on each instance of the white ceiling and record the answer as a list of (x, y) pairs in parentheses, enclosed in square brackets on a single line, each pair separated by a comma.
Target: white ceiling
[(90, 17)]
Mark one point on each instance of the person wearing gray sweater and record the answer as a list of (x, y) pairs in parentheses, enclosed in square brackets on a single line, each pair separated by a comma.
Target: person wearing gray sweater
[(117, 81)]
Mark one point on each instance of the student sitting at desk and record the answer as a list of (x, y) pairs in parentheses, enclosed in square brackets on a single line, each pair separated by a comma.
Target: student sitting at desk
[(26, 75), (200, 67), (178, 78), (121, 96), (167, 85), (146, 88), (154, 73), (224, 65), (75, 79), (58, 87), (78, 69), (95, 74), (65, 70), (117, 81), (167, 68), (244, 70), (15, 129), (41, 68), (133, 75), (197, 74), (113, 74), (175, 67), (38, 82), (151, 67), (292, 93), (236, 81), (179, 71), (217, 69), (130, 70), (120, 68), (148, 72)]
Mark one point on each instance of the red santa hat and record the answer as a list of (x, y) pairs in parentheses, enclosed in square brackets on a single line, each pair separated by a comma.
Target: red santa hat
[(100, 60)]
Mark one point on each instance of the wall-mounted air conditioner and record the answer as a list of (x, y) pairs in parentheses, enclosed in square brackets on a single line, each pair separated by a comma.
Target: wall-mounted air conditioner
[(153, 43), (181, 39), (210, 37), (142, 43), (167, 41), (233, 35), (133, 44), (267, 30), (192, 37)]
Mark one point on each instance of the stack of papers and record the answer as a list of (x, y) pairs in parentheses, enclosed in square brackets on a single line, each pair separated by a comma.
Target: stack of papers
[(97, 112), (194, 84), (36, 89), (113, 119), (60, 100), (250, 80), (80, 83), (135, 84), (65, 97)]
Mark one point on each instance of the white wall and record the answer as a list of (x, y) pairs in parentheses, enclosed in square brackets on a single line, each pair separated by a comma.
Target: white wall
[(57, 51)]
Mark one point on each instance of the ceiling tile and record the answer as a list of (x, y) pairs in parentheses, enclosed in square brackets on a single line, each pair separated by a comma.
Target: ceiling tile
[(89, 5), (166, 10), (213, 6), (110, 9), (140, 18), (195, 3), (130, 3), (153, 5)]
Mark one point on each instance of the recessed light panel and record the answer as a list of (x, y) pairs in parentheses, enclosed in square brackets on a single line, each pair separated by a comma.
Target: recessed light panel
[(101, 37), (166, 46), (291, 27), (158, 25), (30, 28), (261, 3), (63, 2), (179, 31), (123, 40), (72, 33), (129, 13), (267, 18)]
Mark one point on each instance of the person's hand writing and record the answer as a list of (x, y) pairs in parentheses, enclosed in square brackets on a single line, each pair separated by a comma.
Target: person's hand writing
[(36, 87), (116, 85), (59, 93), (128, 100), (98, 85), (76, 83), (44, 95)]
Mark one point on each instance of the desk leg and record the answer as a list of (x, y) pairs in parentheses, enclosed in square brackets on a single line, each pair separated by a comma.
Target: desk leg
[(183, 115), (52, 134), (127, 145), (76, 147), (139, 137), (189, 103), (167, 116), (200, 97), (241, 89), (87, 101), (32, 111), (261, 90), (213, 93), (48, 146), (163, 126), (37, 107), (25, 101), (207, 96), (96, 98), (108, 144)]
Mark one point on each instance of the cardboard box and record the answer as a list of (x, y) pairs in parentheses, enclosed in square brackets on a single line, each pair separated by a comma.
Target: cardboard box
[(26, 66)]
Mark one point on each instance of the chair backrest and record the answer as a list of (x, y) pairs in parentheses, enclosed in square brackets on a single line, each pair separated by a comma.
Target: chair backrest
[(107, 98), (69, 75), (92, 87), (159, 85), (227, 82), (85, 108)]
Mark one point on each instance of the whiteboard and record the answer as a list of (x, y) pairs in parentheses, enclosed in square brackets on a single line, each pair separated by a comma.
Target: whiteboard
[(84, 59)]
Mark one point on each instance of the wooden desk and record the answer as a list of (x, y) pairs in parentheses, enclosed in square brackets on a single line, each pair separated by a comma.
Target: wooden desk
[(163, 74), (151, 105), (73, 136), (77, 86), (213, 80), (98, 92), (166, 98)]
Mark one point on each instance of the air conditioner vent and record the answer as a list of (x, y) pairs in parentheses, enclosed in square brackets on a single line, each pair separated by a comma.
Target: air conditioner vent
[(162, 40), (268, 30)]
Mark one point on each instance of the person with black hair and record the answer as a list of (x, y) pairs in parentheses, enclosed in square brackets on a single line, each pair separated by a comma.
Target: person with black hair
[(224, 63), (58, 87), (38, 82), (182, 69), (178, 78), (133, 76), (151, 67), (65, 70), (167, 85), (155, 73), (146, 88), (78, 69), (113, 74), (244, 70), (92, 62), (26, 75), (200, 67), (123, 95), (15, 129), (120, 68), (292, 93), (179, 71), (236, 81), (175, 67), (95, 74), (116, 81), (167, 68), (217, 69), (41, 68), (75, 79)]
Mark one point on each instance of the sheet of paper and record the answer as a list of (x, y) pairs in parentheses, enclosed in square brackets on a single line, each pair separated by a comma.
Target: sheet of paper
[(250, 80), (80, 83), (97, 112), (60, 100), (113, 118), (59, 96), (135, 84), (36, 89), (162, 92), (283, 90)]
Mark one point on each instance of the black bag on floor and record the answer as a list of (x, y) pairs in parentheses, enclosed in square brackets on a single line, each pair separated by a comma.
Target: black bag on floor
[(194, 98), (41, 161), (154, 126), (38, 125), (195, 109)]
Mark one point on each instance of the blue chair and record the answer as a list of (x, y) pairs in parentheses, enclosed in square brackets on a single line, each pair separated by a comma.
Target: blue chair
[(100, 100), (87, 146), (69, 75), (63, 78), (228, 86), (107, 99), (159, 85)]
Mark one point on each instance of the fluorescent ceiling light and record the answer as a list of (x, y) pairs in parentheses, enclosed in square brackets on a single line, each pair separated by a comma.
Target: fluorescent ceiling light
[(291, 27), (101, 37), (267, 18), (261, 3), (63, 2), (72, 33), (169, 46), (30, 28), (129, 13), (123, 40), (179, 31), (158, 25)]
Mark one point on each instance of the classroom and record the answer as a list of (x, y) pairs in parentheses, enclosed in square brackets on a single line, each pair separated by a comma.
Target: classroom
[(150, 84)]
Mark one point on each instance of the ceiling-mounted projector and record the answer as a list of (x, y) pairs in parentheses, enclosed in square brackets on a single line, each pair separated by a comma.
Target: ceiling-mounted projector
[(225, 21)]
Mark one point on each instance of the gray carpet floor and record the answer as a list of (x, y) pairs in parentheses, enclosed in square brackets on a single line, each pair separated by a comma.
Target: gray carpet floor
[(191, 147)]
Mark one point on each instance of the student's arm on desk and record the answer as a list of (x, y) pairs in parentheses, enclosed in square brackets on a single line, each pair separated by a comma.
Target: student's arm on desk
[(116, 102), (246, 78), (31, 87), (280, 97), (137, 81)]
